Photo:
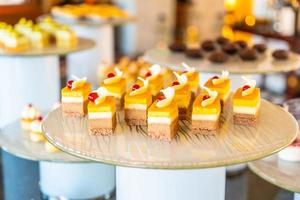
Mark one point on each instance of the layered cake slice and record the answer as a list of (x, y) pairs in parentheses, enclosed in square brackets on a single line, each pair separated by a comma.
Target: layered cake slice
[(246, 104), (182, 96), (221, 85), (193, 78), (74, 97), (155, 78), (116, 85), (163, 116), (101, 112), (137, 101), (206, 113)]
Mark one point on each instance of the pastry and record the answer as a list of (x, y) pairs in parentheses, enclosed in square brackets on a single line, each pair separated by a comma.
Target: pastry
[(36, 133), (291, 153), (74, 97), (101, 112), (206, 113), (193, 78), (208, 45), (280, 54), (182, 96), (218, 57), (177, 47), (116, 85), (65, 37), (156, 81), (248, 54), (222, 40), (137, 101), (29, 114), (242, 44), (222, 85), (260, 48), (246, 104), (230, 48), (194, 53), (163, 116)]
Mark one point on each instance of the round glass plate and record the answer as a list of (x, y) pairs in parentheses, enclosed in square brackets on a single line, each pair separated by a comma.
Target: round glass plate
[(263, 65), (17, 142), (83, 44), (130, 145), (281, 173)]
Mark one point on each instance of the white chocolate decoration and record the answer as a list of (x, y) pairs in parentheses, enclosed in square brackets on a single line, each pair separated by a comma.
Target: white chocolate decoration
[(102, 94), (189, 70), (155, 71), (224, 76), (251, 83), (115, 78), (182, 79), (78, 82), (169, 93), (212, 97), (142, 89)]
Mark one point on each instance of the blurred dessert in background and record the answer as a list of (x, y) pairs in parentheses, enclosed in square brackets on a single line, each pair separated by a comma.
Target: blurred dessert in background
[(29, 114)]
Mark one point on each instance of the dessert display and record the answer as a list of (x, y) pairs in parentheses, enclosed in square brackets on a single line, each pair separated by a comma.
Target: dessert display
[(206, 113), (163, 116), (218, 57), (101, 112), (137, 101), (29, 114), (280, 54), (36, 133), (182, 95), (193, 78), (221, 85), (260, 48), (246, 104), (116, 85), (291, 153), (74, 97), (156, 81)]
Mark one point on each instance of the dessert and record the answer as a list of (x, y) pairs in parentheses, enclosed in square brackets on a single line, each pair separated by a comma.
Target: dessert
[(156, 80), (221, 85), (248, 54), (291, 153), (29, 114), (194, 53), (218, 57), (230, 48), (222, 40), (101, 112), (137, 101), (74, 97), (65, 37), (280, 54), (246, 104), (163, 116), (260, 48), (36, 133), (242, 44), (208, 45), (116, 85), (177, 47), (193, 78), (206, 113)]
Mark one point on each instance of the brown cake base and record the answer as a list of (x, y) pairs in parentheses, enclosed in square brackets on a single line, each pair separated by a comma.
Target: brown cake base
[(205, 127), (103, 126), (165, 132), (74, 109), (245, 119), (135, 117), (120, 103), (184, 113)]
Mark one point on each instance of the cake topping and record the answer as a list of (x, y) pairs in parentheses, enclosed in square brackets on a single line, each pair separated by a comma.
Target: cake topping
[(153, 72), (76, 83), (99, 95), (218, 80), (210, 98), (181, 81), (160, 97), (30, 112), (248, 88), (137, 89), (166, 100), (93, 96), (114, 77), (188, 70), (69, 83)]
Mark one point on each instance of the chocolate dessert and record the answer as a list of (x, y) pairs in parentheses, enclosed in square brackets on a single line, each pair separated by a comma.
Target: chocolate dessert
[(280, 54), (218, 57), (248, 54), (208, 45)]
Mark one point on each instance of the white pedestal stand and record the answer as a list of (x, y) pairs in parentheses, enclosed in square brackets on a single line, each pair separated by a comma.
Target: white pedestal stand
[(296, 196), (77, 180), (150, 184)]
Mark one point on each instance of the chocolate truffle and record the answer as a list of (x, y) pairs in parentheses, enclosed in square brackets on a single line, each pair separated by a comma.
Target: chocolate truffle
[(230, 48), (242, 44), (248, 54), (260, 48), (280, 54), (218, 57), (208, 45), (177, 47), (193, 53), (222, 40)]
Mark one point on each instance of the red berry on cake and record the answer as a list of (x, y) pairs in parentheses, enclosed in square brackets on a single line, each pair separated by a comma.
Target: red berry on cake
[(69, 83), (135, 87), (110, 75)]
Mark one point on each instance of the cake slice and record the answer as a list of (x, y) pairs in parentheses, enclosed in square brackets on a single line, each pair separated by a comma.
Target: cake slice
[(137, 101), (155, 78), (101, 112), (74, 97), (206, 113), (65, 37), (163, 116), (246, 104), (193, 78)]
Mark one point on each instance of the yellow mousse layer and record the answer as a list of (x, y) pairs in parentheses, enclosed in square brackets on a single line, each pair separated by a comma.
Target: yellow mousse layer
[(183, 97), (251, 100), (170, 111), (193, 81), (156, 84), (145, 98), (116, 88), (108, 105), (214, 108), (77, 92), (223, 88)]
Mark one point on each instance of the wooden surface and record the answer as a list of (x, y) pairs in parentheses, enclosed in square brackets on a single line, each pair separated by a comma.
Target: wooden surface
[(17, 142), (130, 146), (263, 65), (83, 44), (281, 173)]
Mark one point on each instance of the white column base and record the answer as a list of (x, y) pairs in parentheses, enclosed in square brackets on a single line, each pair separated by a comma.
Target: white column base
[(151, 184), (76, 180), (296, 196)]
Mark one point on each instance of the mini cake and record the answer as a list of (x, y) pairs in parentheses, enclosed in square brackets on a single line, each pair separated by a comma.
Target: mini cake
[(163, 116), (208, 45), (246, 104), (137, 101), (29, 114), (101, 112), (221, 85), (74, 97), (177, 47), (260, 48), (241, 43), (194, 53), (222, 40), (206, 113), (218, 57), (248, 54), (280, 54), (65, 37), (116, 85), (291, 153), (230, 48), (193, 78), (156, 80), (36, 133), (182, 96)]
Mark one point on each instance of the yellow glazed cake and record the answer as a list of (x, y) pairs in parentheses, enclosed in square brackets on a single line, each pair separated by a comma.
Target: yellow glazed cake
[(137, 101), (101, 112), (206, 113), (156, 80), (163, 116), (74, 97), (246, 104), (65, 37), (193, 78)]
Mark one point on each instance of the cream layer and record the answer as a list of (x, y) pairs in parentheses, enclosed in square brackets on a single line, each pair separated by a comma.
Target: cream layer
[(205, 117), (160, 120), (246, 109), (100, 115), (136, 106), (72, 99)]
